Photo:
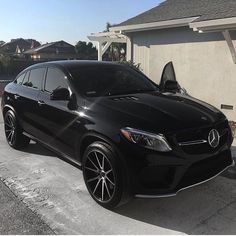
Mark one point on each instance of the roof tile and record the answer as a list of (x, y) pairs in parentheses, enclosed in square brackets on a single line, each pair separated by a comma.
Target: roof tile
[(177, 9)]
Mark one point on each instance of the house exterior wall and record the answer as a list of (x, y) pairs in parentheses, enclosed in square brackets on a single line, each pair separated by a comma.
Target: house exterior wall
[(203, 63)]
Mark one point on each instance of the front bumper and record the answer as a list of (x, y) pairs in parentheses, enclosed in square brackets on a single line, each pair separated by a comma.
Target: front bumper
[(154, 175), (181, 189)]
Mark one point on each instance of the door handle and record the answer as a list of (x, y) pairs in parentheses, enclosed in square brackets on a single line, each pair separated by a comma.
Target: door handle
[(16, 96), (41, 103)]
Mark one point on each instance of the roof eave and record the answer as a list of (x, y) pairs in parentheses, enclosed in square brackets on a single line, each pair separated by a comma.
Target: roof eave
[(214, 25), (154, 25)]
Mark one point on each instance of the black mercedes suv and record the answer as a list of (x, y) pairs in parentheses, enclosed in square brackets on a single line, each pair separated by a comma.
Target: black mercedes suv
[(130, 136)]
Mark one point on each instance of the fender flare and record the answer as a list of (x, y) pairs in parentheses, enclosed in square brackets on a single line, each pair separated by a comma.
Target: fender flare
[(8, 107)]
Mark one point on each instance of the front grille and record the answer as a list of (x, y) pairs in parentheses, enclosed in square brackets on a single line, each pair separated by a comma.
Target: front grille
[(206, 169), (202, 134)]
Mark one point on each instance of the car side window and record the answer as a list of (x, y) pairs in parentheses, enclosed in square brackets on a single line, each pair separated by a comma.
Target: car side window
[(20, 79), (26, 78), (36, 78), (55, 79)]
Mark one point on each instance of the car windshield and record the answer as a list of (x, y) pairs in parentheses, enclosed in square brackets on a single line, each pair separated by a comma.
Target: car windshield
[(96, 81)]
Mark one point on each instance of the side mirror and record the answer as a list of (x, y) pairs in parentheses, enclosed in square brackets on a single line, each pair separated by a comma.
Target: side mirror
[(171, 86), (72, 105), (60, 94), (184, 91)]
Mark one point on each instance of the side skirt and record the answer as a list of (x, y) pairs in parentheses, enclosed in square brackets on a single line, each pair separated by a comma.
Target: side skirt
[(61, 154)]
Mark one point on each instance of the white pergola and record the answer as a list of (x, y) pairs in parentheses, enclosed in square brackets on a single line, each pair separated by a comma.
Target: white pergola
[(105, 39)]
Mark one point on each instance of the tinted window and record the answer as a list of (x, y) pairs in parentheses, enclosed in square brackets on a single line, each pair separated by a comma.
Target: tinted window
[(36, 78), (55, 79), (25, 80), (20, 79), (110, 80)]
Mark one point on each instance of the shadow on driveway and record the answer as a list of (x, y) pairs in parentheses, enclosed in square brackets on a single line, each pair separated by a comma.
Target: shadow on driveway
[(207, 209)]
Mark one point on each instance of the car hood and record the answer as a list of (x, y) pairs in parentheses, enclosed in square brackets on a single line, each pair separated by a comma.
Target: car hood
[(163, 112)]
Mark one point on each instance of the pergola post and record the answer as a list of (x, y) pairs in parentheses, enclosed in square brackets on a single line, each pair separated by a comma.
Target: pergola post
[(99, 51), (102, 49)]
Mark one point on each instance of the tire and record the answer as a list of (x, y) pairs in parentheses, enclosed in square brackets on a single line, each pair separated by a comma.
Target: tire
[(102, 174), (13, 132)]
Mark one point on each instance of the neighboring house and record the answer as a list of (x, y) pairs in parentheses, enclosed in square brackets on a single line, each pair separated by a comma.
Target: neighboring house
[(18, 46), (60, 50), (199, 36)]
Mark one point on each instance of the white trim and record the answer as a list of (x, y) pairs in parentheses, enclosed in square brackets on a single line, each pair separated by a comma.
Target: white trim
[(107, 34), (115, 37), (107, 39), (154, 25), (223, 23)]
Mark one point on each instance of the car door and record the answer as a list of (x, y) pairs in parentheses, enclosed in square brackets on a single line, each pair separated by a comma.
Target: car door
[(168, 81), (27, 100), (59, 123), (13, 97)]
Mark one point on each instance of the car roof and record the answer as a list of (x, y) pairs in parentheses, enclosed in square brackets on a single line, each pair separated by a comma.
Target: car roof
[(68, 64)]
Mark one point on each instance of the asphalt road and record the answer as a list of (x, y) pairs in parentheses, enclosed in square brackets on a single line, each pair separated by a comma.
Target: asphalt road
[(55, 191), (16, 217)]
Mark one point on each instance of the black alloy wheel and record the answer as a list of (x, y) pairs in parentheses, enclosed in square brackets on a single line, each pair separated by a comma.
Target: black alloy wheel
[(101, 175), (13, 132)]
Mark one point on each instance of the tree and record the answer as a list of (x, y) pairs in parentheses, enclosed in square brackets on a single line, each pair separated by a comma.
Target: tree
[(34, 43), (1, 42), (6, 65), (137, 66), (85, 50)]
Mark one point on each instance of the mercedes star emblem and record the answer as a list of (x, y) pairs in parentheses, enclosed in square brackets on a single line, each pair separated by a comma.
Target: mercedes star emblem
[(214, 138)]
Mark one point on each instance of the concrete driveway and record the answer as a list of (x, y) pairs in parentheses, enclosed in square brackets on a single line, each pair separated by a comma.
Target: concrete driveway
[(55, 190)]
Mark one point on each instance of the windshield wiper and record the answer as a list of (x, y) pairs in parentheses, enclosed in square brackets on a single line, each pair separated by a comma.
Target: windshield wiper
[(141, 90)]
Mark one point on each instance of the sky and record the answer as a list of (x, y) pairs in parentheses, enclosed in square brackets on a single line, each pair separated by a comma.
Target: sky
[(69, 20)]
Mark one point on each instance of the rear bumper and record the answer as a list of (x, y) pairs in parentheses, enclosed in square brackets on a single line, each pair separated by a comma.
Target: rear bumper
[(184, 188)]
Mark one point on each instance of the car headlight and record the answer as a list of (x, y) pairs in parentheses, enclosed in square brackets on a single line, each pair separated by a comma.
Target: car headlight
[(155, 142)]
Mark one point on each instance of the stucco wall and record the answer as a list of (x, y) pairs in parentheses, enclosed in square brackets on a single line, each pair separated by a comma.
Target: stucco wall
[(203, 62)]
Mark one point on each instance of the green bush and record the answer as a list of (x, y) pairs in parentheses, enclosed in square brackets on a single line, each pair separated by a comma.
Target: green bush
[(132, 64)]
